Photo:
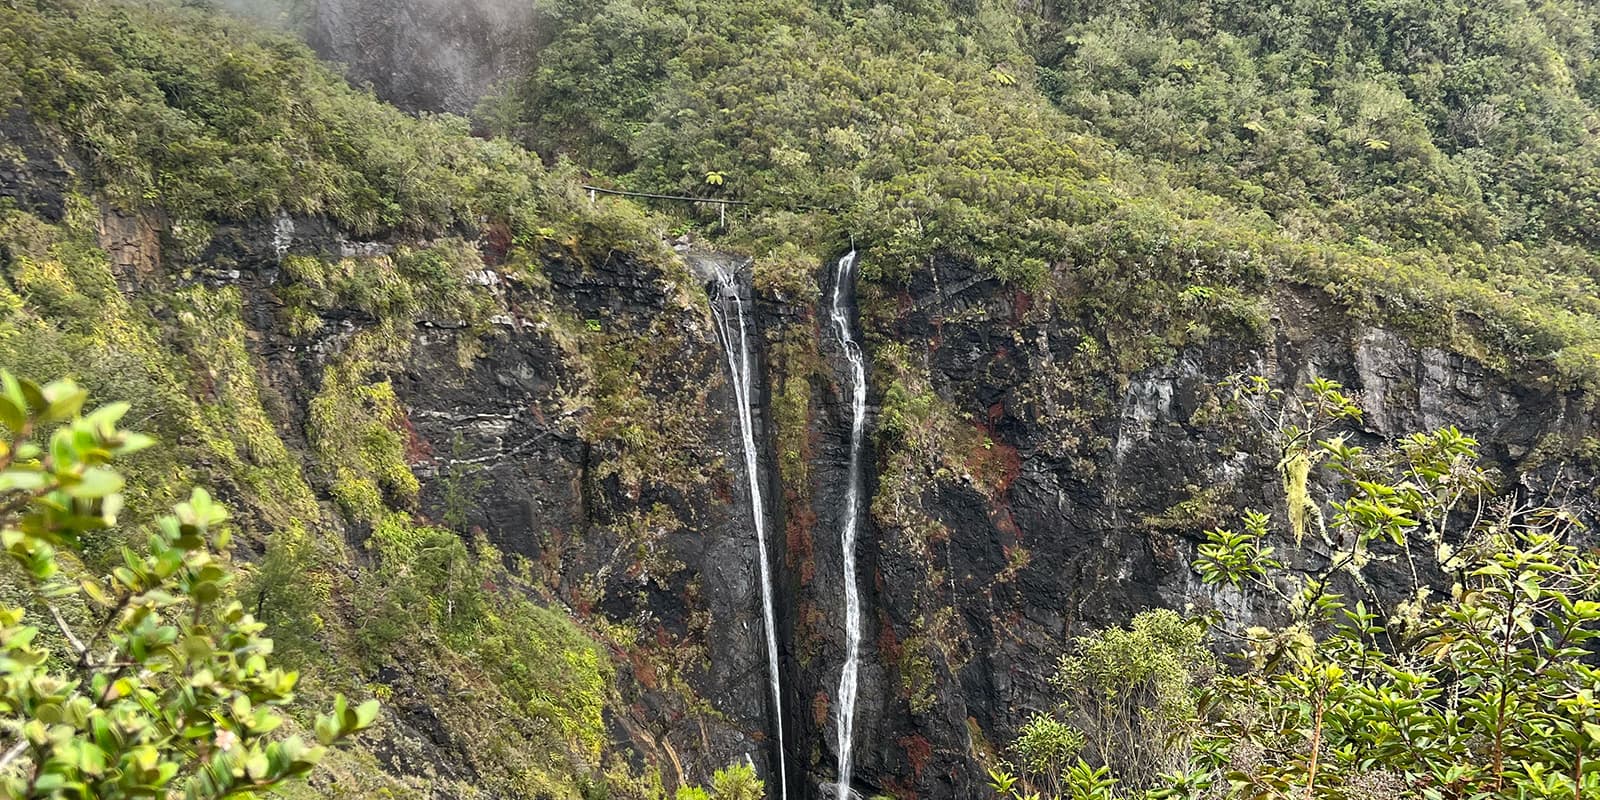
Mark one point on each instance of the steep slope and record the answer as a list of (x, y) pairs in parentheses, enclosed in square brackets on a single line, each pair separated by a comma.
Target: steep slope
[(1405, 123), (433, 55), (372, 336), (480, 429), (926, 127)]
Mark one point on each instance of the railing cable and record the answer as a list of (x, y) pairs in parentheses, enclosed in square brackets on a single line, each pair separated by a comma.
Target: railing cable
[(692, 199)]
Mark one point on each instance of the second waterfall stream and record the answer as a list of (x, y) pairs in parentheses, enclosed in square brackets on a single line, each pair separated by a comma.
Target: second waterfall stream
[(844, 719)]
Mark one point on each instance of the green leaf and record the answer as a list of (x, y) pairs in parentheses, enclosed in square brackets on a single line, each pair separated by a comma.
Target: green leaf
[(106, 417), (63, 401), (91, 759), (34, 396), (256, 766), (133, 443), (95, 483), (13, 391), (26, 480), (11, 416), (366, 714), (327, 729)]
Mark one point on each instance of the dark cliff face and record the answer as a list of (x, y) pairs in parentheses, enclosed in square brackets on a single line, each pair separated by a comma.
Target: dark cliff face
[(587, 432), (659, 545), (416, 53), (1085, 504), (1067, 513), (33, 174)]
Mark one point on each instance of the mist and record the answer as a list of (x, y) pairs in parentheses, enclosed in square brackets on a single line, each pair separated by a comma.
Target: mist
[(420, 55), (289, 15)]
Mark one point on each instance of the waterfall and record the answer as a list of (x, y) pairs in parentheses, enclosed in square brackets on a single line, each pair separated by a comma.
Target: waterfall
[(844, 719), (731, 325)]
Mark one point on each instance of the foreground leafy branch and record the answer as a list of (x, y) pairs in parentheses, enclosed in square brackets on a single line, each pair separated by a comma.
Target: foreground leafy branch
[(150, 681)]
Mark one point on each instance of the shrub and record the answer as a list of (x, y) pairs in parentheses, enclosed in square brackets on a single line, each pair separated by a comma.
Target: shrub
[(1435, 642), (153, 680), (1127, 704)]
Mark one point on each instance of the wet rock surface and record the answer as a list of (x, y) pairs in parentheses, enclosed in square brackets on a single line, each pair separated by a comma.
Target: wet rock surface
[(503, 443), (1092, 507), (504, 437), (34, 174)]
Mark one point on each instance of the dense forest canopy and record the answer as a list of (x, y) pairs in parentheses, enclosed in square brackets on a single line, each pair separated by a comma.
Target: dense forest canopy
[(1435, 124), (1415, 158)]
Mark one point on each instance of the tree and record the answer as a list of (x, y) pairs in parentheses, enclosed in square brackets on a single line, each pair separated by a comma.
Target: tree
[(1465, 673), (1126, 709), (1474, 682), (734, 782), (152, 679)]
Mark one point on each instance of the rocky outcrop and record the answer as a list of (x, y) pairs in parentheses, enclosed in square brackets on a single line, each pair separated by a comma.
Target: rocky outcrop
[(1079, 504), (583, 427), (1111, 482), (34, 174), (424, 55), (663, 548)]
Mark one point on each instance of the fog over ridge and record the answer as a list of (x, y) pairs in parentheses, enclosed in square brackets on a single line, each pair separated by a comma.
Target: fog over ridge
[(421, 55)]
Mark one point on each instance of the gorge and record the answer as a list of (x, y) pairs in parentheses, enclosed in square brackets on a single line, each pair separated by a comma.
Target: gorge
[(823, 469)]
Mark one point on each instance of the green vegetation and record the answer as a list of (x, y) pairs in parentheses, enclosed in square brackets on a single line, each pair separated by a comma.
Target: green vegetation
[(1448, 125), (527, 664), (183, 356), (1147, 177), (356, 430), (154, 680), (1125, 699), (210, 120), (738, 782), (1152, 169), (1470, 677), (175, 122), (408, 284)]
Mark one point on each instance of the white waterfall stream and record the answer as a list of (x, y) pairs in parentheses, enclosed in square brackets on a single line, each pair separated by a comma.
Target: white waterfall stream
[(845, 707), (730, 314)]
